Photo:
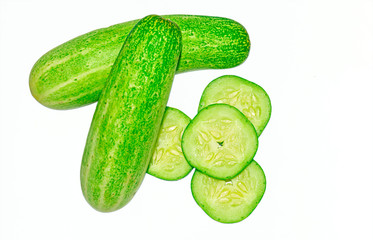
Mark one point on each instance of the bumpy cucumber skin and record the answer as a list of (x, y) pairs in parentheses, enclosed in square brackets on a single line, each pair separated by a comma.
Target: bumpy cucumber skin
[(128, 115), (74, 73), (206, 171), (204, 99), (160, 174), (205, 208)]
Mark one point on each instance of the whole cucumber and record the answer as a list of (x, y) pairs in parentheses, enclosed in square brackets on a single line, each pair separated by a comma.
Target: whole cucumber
[(129, 113), (74, 73)]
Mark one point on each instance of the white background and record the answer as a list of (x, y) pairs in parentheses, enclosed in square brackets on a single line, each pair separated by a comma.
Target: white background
[(313, 57)]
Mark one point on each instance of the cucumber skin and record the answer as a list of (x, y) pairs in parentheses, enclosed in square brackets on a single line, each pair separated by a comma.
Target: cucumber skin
[(128, 115), (74, 73)]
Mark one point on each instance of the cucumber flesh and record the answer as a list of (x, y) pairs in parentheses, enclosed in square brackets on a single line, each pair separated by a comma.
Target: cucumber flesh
[(168, 161), (220, 141), (246, 96), (230, 201)]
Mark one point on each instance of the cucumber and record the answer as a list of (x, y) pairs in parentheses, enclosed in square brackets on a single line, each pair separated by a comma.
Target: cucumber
[(220, 141), (128, 116), (230, 201), (246, 96), (74, 73), (168, 162)]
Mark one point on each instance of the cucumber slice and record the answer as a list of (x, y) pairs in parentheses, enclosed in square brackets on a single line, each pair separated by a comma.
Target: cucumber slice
[(220, 141), (230, 201), (168, 162), (246, 96)]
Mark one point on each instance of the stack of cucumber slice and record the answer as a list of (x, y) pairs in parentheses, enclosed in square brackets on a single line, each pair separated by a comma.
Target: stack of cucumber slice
[(220, 143)]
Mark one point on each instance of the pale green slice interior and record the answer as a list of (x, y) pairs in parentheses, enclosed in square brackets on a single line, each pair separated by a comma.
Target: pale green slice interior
[(230, 201), (246, 96), (168, 161), (220, 141)]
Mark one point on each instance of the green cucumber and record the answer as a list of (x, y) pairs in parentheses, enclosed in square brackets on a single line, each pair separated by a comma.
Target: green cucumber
[(246, 96), (230, 201), (129, 114), (168, 162), (74, 73), (220, 141)]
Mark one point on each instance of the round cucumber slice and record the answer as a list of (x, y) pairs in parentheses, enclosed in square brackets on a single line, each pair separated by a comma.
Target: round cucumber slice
[(230, 201), (168, 162), (220, 141), (246, 96)]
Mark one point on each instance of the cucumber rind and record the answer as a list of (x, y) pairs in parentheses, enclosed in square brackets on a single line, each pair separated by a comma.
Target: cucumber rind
[(178, 118), (213, 212), (124, 130), (74, 73), (210, 170), (218, 87)]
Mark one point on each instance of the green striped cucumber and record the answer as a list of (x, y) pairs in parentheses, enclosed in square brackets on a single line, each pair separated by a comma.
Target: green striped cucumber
[(74, 73), (128, 116), (168, 161)]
